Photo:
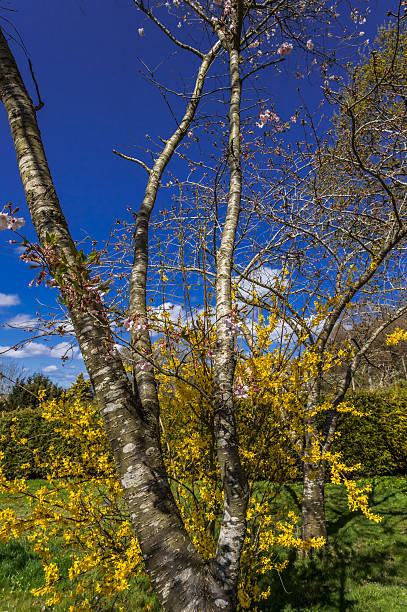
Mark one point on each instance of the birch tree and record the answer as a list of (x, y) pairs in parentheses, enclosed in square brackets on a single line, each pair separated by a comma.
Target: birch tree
[(321, 249)]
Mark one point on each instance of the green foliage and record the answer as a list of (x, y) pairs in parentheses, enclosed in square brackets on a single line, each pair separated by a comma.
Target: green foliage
[(378, 440), (40, 439), (24, 394), (37, 435)]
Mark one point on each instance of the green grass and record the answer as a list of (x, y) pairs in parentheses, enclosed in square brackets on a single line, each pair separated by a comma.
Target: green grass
[(21, 571), (363, 569)]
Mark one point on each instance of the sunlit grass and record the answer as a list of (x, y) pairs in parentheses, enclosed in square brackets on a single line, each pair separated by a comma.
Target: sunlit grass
[(364, 567)]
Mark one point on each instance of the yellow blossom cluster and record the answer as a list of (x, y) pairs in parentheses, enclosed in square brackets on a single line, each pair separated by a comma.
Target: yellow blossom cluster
[(398, 335), (82, 504)]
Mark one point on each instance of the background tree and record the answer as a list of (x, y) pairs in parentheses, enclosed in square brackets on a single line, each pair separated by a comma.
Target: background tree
[(25, 392), (321, 241), (346, 236), (9, 371)]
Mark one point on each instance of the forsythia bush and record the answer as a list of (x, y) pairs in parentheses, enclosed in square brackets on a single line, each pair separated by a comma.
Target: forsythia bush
[(81, 501)]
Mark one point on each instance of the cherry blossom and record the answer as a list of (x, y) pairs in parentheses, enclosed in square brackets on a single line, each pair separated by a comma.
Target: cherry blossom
[(146, 366), (12, 223), (265, 117), (132, 323), (4, 221), (285, 49), (240, 390), (141, 31), (310, 44), (232, 325)]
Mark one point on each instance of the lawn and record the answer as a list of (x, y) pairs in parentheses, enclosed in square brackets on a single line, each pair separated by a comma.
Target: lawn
[(364, 567)]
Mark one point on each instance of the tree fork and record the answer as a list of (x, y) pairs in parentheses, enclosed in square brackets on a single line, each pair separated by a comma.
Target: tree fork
[(181, 579)]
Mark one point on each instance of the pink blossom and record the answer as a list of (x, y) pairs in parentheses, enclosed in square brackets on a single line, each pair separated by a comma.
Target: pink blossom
[(141, 31), (128, 324), (310, 44), (265, 117), (12, 223), (254, 44), (133, 323), (232, 325), (4, 220), (190, 134), (16, 223), (240, 390), (285, 49), (228, 8)]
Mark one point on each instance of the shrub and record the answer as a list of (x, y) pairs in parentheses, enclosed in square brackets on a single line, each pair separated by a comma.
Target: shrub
[(26, 440), (378, 440)]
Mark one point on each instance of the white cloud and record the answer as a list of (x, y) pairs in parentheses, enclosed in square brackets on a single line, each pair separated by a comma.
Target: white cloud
[(32, 349), (22, 321), (50, 368), (175, 311), (9, 299), (65, 348), (27, 322), (264, 275), (37, 349)]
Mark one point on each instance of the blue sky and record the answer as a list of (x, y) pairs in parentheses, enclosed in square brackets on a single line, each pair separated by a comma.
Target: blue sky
[(84, 54)]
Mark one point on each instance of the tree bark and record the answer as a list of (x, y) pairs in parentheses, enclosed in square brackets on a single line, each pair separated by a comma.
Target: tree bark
[(313, 501), (183, 582), (235, 487)]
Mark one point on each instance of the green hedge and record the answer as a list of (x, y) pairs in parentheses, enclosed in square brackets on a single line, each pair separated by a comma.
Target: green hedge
[(378, 440), (39, 434)]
